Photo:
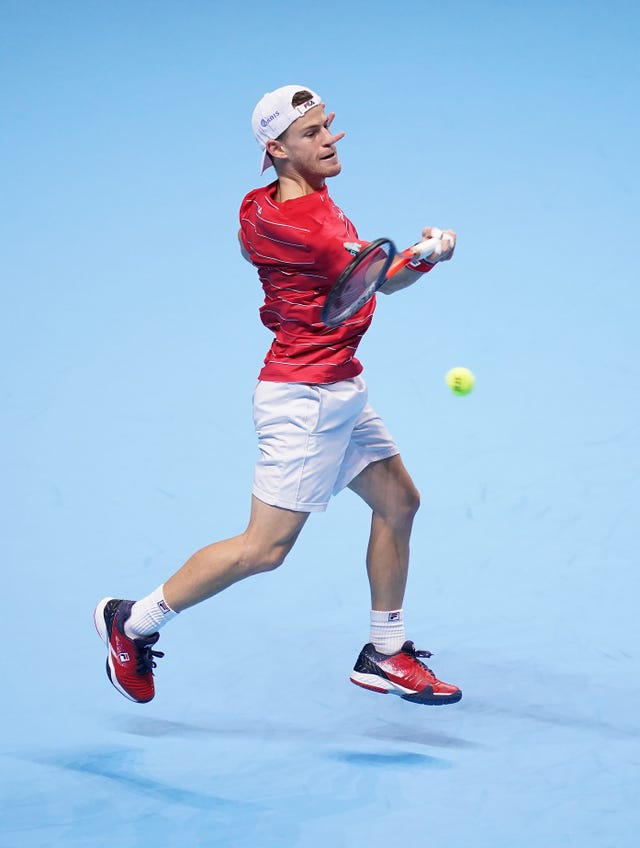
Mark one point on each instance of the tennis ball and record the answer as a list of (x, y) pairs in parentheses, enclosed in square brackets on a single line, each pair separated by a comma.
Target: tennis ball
[(460, 381)]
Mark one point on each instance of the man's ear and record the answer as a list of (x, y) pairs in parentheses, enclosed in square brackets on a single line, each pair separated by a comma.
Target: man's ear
[(275, 149)]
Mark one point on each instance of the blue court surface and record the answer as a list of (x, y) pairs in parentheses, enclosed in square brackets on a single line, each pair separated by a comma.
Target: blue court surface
[(130, 348)]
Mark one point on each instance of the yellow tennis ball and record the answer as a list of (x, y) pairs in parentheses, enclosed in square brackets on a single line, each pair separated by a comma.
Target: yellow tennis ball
[(460, 381)]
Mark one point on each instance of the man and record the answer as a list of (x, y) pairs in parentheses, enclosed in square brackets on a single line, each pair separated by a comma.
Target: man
[(317, 433)]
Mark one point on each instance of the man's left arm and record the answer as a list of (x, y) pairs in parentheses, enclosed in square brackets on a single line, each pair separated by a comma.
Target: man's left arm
[(243, 249)]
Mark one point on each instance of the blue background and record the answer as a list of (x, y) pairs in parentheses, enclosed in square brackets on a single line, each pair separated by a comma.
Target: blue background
[(130, 346)]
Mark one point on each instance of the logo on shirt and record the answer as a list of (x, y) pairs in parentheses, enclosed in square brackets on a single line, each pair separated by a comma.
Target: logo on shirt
[(353, 247)]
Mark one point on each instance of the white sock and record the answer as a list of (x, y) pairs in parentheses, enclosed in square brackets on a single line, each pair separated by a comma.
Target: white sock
[(148, 615), (387, 631)]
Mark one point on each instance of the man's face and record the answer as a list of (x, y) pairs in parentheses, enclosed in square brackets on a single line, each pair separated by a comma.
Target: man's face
[(310, 146)]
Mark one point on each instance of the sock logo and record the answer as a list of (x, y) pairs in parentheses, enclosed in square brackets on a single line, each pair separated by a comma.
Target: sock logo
[(394, 616), (164, 608)]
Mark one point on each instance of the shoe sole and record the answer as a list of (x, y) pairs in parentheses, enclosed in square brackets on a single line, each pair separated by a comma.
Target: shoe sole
[(100, 623), (101, 627), (385, 687)]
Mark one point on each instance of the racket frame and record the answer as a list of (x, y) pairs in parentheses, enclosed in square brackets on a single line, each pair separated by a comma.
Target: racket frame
[(339, 285)]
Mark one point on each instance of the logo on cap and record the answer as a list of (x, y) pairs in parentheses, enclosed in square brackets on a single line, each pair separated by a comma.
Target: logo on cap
[(266, 121)]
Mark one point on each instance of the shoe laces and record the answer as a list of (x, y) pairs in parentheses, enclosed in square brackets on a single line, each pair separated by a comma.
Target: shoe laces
[(410, 648), (145, 656)]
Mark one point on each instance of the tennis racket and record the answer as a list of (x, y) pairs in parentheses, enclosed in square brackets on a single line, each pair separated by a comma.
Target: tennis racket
[(368, 271)]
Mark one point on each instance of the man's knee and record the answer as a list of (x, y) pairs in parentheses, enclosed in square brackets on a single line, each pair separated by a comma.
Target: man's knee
[(408, 503), (269, 537), (399, 511), (259, 559)]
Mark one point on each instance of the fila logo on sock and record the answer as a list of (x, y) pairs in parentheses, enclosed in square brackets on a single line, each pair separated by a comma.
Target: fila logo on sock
[(163, 607), (394, 616)]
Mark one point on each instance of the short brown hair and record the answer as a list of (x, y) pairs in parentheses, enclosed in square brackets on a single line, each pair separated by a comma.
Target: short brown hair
[(301, 97)]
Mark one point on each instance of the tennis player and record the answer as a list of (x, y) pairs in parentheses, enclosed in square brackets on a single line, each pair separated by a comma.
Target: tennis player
[(317, 432)]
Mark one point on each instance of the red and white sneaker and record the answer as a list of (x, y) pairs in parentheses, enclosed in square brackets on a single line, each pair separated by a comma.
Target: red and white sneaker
[(130, 662), (402, 674)]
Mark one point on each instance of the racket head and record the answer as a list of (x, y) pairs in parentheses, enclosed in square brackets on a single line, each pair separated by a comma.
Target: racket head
[(358, 282)]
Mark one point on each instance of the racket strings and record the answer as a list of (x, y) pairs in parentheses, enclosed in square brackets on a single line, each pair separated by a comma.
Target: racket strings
[(357, 284)]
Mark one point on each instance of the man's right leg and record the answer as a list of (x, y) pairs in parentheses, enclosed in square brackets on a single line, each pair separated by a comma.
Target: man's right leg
[(270, 535), (130, 630)]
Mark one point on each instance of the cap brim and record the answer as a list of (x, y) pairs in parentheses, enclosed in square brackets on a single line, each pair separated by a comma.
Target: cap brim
[(265, 162)]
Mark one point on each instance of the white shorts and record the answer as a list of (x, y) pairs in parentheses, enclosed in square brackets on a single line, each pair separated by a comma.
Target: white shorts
[(313, 440)]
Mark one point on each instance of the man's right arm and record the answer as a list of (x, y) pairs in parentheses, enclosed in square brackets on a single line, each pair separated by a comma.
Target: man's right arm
[(408, 275)]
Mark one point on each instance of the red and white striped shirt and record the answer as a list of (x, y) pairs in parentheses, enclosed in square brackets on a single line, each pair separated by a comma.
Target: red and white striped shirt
[(298, 249)]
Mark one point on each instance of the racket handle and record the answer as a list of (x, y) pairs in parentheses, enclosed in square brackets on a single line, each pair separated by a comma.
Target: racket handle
[(424, 248), (415, 254)]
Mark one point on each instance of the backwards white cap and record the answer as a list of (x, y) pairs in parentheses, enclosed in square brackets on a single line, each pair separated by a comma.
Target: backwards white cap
[(274, 114)]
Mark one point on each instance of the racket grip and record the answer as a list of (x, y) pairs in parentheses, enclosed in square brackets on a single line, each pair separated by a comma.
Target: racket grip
[(414, 257), (424, 248)]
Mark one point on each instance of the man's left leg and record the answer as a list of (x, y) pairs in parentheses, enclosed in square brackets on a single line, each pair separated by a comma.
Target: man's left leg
[(389, 663), (388, 489)]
